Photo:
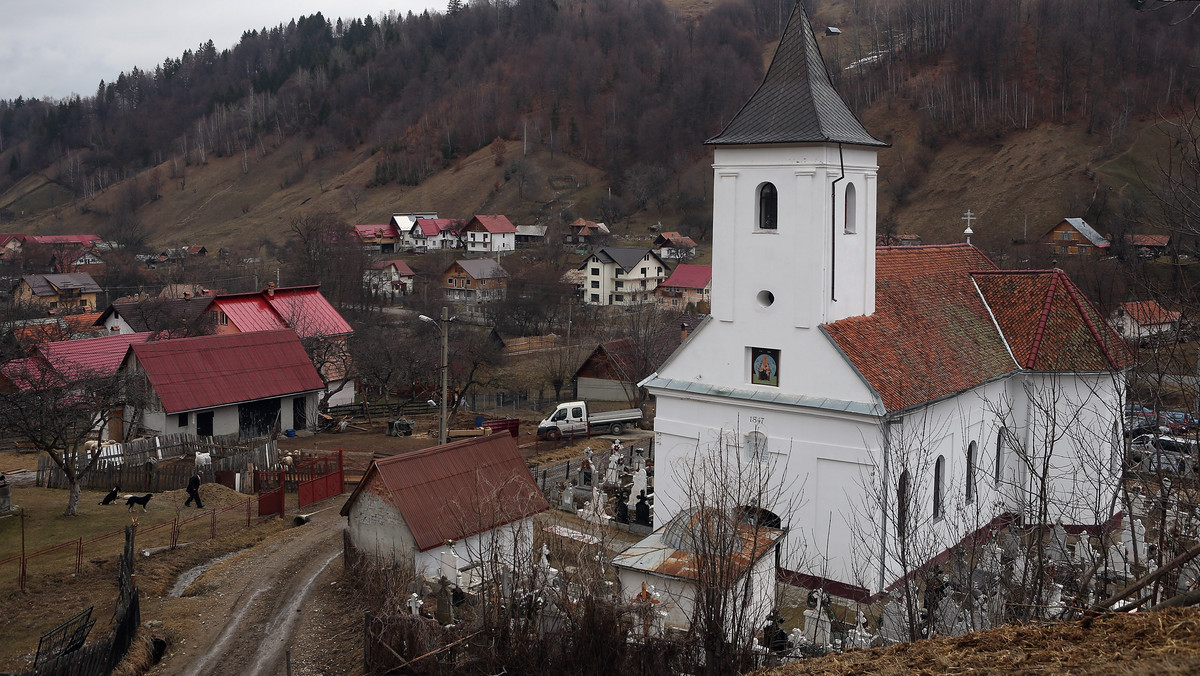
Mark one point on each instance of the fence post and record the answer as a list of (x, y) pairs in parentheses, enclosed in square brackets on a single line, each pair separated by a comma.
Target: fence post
[(79, 556), (174, 532)]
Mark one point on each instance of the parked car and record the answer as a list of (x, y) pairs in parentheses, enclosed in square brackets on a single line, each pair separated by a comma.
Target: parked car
[(1141, 423), (1187, 420), (1160, 453)]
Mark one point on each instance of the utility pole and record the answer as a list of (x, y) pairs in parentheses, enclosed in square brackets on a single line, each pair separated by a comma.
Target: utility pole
[(445, 370)]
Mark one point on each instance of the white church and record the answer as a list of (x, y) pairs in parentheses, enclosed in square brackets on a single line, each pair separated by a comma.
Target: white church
[(903, 398)]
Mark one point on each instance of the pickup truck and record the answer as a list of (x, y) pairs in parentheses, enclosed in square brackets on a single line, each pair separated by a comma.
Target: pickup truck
[(571, 419)]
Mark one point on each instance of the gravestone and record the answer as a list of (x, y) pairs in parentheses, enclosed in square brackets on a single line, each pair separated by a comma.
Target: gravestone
[(642, 511), (817, 626), (445, 603), (1118, 564), (449, 567), (893, 624), (1056, 549), (859, 637), (568, 497), (585, 468), (640, 481), (639, 459), (593, 510), (621, 509), (414, 604), (612, 474)]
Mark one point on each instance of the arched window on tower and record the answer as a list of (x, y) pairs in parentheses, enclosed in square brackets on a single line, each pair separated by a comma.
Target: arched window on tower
[(768, 207), (939, 486), (902, 498), (851, 210), (971, 472)]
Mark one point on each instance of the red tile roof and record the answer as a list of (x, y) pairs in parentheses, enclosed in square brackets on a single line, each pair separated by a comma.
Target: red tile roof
[(387, 231), (1148, 240), (1049, 324), (1149, 312), (401, 267), (209, 371), (85, 240), (90, 357), (933, 334), (493, 223), (431, 227), (688, 276), (456, 490)]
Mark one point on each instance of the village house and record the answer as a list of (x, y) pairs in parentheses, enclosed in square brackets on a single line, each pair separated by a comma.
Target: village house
[(688, 286), (389, 278), (176, 317), (1074, 237), (530, 235), (582, 234), (473, 500), (622, 276), (672, 246), (489, 234), (29, 333), (611, 371), (249, 384), (378, 238), (1143, 321), (63, 291), (302, 309), (470, 283), (436, 234), (58, 365), (883, 391), (1149, 246), (403, 223)]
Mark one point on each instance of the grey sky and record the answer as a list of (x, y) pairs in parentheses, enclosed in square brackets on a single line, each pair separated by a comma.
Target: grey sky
[(55, 49)]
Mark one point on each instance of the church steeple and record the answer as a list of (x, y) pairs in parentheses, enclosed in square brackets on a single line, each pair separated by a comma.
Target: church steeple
[(796, 102)]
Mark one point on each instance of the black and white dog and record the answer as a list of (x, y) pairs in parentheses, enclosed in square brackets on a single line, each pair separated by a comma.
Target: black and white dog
[(112, 495), (142, 500)]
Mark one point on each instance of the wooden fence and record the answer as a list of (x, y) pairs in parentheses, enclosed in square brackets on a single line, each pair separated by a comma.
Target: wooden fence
[(151, 476), (168, 446)]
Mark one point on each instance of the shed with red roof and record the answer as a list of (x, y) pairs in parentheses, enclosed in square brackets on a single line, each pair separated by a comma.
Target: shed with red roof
[(473, 497)]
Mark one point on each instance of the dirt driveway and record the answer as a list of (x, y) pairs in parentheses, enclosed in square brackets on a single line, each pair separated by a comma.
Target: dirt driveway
[(245, 612)]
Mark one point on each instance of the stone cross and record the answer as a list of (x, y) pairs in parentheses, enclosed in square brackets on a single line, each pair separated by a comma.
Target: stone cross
[(414, 604), (640, 480)]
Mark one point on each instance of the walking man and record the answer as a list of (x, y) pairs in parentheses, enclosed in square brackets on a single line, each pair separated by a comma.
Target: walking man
[(193, 491)]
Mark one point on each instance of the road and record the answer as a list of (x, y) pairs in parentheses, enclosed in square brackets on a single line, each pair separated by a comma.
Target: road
[(247, 608)]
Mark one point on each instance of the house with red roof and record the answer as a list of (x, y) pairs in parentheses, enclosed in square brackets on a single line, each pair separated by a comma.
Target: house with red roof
[(243, 383), (302, 309), (884, 396), (378, 238), (688, 285), (448, 509), (389, 278), (436, 234), (489, 233), (674, 246), (1143, 321)]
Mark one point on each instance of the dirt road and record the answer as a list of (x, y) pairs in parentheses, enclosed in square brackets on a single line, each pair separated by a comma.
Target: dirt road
[(241, 615)]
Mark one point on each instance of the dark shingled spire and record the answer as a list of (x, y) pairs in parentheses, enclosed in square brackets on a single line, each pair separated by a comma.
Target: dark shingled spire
[(796, 102)]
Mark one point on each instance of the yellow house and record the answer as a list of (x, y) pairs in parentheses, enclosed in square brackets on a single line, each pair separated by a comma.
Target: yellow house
[(58, 291)]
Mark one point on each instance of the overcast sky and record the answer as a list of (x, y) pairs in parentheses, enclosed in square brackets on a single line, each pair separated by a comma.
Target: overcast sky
[(54, 48)]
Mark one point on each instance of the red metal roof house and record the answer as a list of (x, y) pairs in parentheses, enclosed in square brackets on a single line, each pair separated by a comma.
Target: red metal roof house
[(244, 383)]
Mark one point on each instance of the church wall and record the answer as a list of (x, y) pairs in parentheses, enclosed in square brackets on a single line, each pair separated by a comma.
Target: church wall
[(512, 545), (815, 458)]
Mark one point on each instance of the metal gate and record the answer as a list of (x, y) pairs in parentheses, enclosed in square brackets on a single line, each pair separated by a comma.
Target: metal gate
[(270, 501), (320, 478)]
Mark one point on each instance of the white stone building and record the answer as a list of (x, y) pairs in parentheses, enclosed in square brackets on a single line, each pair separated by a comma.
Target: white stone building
[(908, 389), (622, 276)]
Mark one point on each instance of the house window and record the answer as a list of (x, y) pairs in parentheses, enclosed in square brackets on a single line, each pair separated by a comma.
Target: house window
[(756, 446), (1066, 235), (768, 207), (620, 284), (675, 301), (183, 420), (596, 272), (939, 485), (468, 283), (643, 272), (851, 210), (223, 320), (902, 497), (971, 472), (595, 284), (620, 298), (659, 273), (595, 298)]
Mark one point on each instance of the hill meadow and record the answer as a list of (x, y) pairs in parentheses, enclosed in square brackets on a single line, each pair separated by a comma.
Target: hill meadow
[(548, 110)]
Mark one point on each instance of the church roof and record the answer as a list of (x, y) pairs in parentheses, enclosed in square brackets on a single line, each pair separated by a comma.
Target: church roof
[(796, 102), (946, 320)]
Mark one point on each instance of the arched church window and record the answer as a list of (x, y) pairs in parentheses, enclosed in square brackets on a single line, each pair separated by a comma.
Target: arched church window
[(999, 454), (756, 445), (971, 472), (902, 504), (768, 207), (939, 485), (851, 210)]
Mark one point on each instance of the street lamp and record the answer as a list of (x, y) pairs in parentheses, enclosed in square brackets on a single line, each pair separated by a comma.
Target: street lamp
[(443, 328)]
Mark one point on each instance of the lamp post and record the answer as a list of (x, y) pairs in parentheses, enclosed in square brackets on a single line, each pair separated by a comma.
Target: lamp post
[(443, 328)]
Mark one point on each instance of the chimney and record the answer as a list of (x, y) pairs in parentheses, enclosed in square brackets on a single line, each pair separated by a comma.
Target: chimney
[(271, 289), (683, 332), (187, 295)]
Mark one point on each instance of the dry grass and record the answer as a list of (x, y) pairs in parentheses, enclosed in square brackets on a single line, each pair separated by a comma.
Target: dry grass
[(1166, 642)]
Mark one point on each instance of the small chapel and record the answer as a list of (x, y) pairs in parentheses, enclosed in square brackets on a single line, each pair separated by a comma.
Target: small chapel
[(898, 395)]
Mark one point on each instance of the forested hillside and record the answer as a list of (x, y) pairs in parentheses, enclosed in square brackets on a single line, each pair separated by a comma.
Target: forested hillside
[(1008, 107)]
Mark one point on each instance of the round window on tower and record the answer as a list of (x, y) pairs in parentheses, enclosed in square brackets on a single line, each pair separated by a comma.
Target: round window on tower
[(766, 298)]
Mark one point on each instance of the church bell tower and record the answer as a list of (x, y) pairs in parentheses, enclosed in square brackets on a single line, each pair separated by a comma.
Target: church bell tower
[(795, 177)]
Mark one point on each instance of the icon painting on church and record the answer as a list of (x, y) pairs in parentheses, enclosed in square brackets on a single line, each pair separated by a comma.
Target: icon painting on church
[(764, 366)]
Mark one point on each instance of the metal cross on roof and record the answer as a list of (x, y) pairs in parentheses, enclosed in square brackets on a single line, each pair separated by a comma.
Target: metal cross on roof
[(968, 217)]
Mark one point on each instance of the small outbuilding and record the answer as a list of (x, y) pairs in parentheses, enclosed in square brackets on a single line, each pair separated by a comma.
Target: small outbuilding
[(475, 497)]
